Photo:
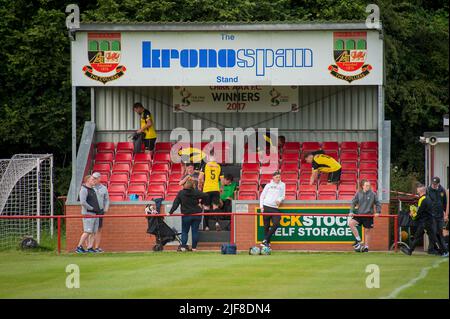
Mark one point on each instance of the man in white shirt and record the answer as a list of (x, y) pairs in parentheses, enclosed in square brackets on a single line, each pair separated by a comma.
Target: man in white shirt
[(271, 198)]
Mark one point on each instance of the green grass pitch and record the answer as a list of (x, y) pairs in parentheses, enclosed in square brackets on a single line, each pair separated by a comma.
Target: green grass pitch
[(211, 275)]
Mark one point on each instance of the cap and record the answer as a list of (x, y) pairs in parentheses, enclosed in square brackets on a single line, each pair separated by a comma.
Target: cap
[(96, 175), (436, 180)]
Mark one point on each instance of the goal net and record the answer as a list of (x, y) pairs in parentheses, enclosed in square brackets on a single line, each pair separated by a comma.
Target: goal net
[(26, 189)]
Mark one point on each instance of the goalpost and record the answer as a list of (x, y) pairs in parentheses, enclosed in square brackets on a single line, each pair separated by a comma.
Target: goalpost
[(26, 189)]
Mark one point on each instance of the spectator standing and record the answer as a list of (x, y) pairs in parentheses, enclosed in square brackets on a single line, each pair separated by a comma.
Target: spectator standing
[(271, 198), (190, 174), (438, 197), (103, 201), (364, 202), (89, 206), (189, 198)]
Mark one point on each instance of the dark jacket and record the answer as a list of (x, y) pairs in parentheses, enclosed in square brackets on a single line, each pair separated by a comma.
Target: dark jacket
[(188, 198), (438, 199), (424, 211)]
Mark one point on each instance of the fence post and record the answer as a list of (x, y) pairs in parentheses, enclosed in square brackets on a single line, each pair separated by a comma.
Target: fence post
[(232, 223), (59, 234), (396, 233)]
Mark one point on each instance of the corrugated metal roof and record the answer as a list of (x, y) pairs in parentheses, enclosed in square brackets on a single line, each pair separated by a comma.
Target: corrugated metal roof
[(222, 26)]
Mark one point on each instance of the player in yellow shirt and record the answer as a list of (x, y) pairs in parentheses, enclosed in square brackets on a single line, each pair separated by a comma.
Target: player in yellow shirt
[(322, 163), (147, 126), (209, 177)]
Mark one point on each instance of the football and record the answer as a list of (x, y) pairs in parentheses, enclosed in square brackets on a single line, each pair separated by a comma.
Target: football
[(254, 250)]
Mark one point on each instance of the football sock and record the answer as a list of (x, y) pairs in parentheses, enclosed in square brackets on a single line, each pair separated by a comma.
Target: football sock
[(358, 238)]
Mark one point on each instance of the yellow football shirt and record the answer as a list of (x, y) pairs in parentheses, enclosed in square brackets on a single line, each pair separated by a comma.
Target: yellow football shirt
[(149, 132), (211, 171), (325, 163)]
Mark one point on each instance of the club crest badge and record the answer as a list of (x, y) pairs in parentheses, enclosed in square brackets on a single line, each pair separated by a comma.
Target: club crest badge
[(350, 53), (104, 52)]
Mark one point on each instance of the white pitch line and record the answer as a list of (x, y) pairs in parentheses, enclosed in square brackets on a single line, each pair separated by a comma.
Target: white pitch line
[(412, 282)]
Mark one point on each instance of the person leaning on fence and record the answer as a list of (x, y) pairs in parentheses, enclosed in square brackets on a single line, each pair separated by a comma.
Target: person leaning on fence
[(89, 206), (364, 202), (271, 198), (424, 220), (189, 198), (103, 201)]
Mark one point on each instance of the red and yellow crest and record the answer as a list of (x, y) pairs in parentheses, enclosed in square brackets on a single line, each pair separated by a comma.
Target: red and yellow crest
[(104, 52), (350, 53)]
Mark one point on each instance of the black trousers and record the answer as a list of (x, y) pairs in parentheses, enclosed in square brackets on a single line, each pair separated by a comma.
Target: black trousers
[(438, 225), (428, 226), (268, 230)]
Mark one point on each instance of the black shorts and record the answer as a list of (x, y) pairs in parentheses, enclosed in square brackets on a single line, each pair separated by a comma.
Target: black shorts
[(367, 222), (212, 199), (150, 144), (334, 177)]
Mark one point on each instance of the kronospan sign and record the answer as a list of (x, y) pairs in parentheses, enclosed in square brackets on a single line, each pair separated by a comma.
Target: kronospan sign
[(214, 58)]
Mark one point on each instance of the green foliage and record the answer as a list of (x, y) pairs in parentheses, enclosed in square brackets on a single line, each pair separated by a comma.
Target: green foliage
[(402, 181), (35, 110)]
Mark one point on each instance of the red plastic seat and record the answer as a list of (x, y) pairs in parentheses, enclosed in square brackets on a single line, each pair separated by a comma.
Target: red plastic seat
[(104, 158), (139, 179), (251, 158), (349, 178), (289, 167), (176, 168), (286, 177), (349, 151), (161, 157), (102, 168), (123, 158), (327, 188), (307, 188), (310, 146), (248, 187), (330, 146), (156, 188), (117, 188), (345, 196), (116, 197), (370, 168), (160, 167), (249, 177), (175, 177), (121, 168), (370, 176), (347, 188), (144, 158), (349, 158), (137, 189), (327, 196), (333, 154), (305, 167), (291, 196), (291, 147), (250, 167), (106, 147), (291, 187), (349, 167), (125, 147), (369, 145), (142, 168), (163, 147), (265, 178), (247, 195), (169, 197), (368, 157), (349, 145), (119, 178), (104, 179), (306, 196), (290, 158), (158, 177)]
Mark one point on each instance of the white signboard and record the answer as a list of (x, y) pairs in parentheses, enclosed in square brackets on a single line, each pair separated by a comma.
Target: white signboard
[(235, 99), (265, 58)]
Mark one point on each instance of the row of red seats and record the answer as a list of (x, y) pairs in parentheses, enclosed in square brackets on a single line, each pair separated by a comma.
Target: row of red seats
[(297, 157), (300, 196), (331, 146), (304, 167)]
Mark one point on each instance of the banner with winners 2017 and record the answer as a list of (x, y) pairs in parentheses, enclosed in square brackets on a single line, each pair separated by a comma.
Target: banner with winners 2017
[(310, 229), (223, 99)]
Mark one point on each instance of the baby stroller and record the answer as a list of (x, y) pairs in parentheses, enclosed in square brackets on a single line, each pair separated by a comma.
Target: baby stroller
[(158, 227)]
